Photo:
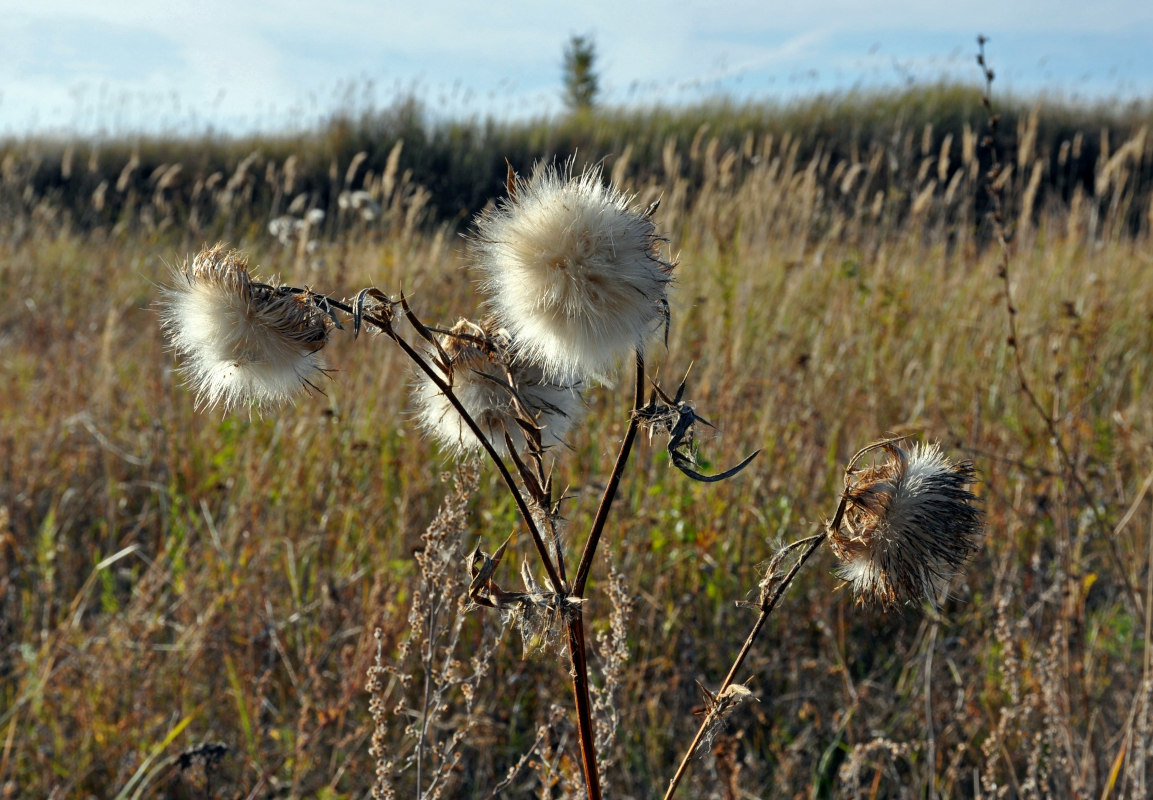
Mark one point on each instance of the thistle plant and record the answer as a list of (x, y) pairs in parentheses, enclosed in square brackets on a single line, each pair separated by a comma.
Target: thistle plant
[(903, 528), (575, 284)]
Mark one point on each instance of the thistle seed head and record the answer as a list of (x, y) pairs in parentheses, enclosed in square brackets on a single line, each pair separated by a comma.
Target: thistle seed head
[(241, 342), (573, 272), (501, 394), (909, 525)]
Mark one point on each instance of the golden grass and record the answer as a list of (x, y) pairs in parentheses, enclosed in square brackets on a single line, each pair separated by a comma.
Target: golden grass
[(170, 578)]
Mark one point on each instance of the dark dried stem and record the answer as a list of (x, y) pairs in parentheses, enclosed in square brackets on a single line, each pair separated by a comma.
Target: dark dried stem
[(574, 622), (768, 602), (610, 492), (386, 327), (580, 685), (1048, 418), (510, 482)]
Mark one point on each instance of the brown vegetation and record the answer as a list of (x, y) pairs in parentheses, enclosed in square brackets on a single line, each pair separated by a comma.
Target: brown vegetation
[(171, 580)]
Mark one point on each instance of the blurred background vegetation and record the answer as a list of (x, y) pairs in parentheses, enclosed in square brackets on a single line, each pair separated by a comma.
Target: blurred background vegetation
[(171, 579)]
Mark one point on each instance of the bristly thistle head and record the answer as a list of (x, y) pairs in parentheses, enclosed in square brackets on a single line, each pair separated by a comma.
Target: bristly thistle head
[(909, 525), (501, 394), (573, 272), (242, 343)]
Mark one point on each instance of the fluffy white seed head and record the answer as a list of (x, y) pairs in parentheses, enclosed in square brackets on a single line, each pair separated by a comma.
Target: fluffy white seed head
[(574, 273), (495, 390), (910, 525), (241, 343)]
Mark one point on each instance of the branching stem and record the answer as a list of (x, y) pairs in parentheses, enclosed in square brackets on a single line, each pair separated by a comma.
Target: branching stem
[(558, 585)]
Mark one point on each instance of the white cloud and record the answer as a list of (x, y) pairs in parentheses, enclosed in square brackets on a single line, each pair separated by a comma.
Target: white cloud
[(264, 61)]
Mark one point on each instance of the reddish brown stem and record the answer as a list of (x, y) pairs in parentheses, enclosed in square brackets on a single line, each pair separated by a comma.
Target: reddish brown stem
[(557, 584), (580, 685), (610, 492)]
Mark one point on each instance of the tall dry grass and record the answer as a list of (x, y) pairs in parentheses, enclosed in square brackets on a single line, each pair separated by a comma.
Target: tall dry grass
[(190, 603)]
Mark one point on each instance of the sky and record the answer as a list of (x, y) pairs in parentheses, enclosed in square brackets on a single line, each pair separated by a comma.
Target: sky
[(111, 67)]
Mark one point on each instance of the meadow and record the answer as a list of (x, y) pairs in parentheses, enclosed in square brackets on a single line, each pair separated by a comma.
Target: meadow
[(194, 605)]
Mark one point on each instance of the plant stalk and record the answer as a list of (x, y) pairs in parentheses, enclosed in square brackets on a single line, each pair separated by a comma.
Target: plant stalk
[(610, 492), (580, 685), (542, 550), (767, 605)]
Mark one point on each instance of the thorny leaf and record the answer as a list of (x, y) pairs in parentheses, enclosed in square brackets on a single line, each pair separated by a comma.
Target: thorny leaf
[(373, 302), (677, 418), (530, 583), (510, 181), (326, 306), (485, 591), (482, 574), (721, 703), (717, 706)]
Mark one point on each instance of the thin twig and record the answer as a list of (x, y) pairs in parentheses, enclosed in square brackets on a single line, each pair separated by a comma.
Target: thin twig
[(767, 605), (1049, 419), (768, 601)]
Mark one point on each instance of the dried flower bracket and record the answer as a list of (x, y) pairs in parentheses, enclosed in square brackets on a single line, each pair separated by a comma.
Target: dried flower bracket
[(576, 283)]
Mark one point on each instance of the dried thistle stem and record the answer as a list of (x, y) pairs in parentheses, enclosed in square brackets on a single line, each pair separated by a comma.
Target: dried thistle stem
[(578, 654), (771, 593), (614, 482), (506, 476), (768, 603), (1048, 418), (580, 684)]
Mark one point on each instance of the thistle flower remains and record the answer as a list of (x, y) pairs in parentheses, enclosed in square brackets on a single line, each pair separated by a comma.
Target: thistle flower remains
[(573, 272), (242, 342), (501, 394), (909, 525)]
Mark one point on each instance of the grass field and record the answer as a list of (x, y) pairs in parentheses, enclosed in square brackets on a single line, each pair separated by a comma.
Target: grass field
[(191, 603)]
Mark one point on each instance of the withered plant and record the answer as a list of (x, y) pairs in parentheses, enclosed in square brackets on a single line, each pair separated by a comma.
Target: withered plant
[(576, 283)]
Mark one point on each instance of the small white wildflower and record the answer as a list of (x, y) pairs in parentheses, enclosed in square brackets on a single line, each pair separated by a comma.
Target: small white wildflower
[(574, 273), (241, 342), (494, 390), (910, 525)]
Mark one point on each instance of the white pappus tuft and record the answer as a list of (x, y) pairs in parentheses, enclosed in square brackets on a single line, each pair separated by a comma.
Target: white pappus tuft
[(573, 272), (241, 342), (501, 394)]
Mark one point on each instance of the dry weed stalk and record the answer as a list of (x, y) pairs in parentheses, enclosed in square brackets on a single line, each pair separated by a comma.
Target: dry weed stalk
[(902, 529), (431, 653), (1040, 714), (577, 282)]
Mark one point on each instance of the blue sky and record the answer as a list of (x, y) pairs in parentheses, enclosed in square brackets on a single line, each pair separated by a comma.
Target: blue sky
[(165, 66)]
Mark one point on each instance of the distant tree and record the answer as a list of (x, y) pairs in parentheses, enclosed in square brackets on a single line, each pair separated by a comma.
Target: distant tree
[(581, 82)]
